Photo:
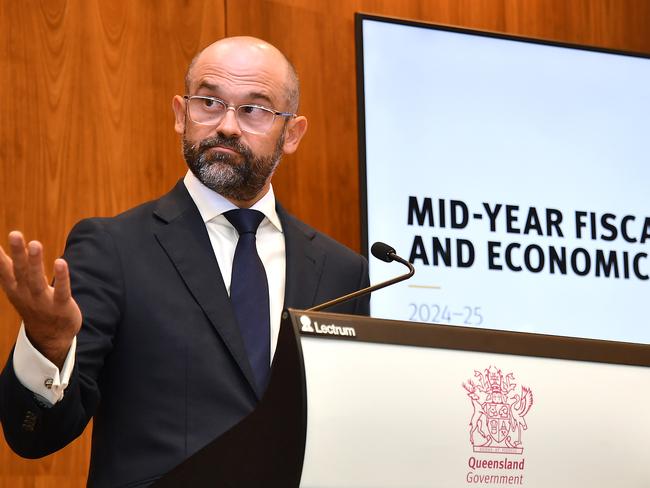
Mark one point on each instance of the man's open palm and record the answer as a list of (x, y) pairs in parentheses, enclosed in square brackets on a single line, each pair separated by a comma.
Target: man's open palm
[(50, 314)]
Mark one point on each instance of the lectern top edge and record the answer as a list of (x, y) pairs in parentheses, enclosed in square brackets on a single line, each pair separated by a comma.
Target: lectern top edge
[(366, 329)]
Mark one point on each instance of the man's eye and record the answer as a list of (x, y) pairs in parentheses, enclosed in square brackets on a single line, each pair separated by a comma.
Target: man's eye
[(209, 103), (251, 111)]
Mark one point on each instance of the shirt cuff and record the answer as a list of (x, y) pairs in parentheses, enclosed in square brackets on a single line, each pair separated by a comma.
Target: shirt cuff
[(37, 373)]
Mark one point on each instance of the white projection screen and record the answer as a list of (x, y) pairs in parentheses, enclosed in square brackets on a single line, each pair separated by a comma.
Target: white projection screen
[(513, 173)]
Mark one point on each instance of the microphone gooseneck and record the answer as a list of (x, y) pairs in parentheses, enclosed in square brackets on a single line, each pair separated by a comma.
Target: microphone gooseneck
[(381, 251)]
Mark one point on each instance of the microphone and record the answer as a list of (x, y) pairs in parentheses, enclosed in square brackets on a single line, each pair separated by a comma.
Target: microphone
[(381, 251)]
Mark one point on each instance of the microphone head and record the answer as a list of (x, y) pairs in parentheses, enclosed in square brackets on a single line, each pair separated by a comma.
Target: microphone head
[(382, 251)]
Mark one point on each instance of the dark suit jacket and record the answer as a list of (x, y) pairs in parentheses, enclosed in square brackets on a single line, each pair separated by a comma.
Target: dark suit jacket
[(160, 362)]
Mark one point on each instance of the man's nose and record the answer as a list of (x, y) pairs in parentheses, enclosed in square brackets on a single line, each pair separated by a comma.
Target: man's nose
[(228, 126)]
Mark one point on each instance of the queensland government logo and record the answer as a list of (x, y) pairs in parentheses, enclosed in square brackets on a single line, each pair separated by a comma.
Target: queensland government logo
[(499, 411)]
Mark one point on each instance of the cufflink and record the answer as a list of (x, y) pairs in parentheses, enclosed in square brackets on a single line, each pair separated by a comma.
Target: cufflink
[(48, 383)]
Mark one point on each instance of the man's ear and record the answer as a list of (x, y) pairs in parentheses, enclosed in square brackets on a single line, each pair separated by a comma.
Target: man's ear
[(178, 106), (295, 129)]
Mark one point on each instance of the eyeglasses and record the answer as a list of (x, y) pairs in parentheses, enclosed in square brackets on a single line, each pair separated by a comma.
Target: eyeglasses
[(252, 118)]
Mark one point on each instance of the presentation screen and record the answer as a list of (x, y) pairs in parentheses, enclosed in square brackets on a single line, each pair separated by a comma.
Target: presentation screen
[(513, 173)]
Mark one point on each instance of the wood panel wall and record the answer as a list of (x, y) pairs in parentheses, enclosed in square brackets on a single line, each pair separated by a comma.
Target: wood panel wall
[(86, 125), (85, 105)]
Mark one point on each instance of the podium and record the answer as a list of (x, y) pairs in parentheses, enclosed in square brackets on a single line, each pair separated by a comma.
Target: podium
[(361, 402)]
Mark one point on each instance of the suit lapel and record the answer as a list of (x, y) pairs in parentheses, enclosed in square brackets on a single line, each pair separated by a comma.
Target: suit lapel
[(305, 262), (184, 237)]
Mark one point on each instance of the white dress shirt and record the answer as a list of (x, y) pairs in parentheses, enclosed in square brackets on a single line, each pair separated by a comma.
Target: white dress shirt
[(43, 378)]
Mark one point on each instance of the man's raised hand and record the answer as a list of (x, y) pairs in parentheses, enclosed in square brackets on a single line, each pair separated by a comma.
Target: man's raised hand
[(50, 314)]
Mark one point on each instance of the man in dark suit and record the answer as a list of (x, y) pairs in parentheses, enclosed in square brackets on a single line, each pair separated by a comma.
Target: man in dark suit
[(138, 329)]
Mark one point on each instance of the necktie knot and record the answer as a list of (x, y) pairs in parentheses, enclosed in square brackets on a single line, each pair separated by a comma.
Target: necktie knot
[(244, 220)]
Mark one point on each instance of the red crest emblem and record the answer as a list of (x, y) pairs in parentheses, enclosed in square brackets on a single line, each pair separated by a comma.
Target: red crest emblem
[(499, 411)]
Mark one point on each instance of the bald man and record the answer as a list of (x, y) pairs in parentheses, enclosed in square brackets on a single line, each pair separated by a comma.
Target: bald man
[(138, 330)]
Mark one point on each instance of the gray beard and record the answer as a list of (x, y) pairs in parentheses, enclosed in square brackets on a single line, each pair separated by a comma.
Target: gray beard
[(235, 176)]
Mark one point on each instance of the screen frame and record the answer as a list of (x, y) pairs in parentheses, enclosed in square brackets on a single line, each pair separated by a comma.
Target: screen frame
[(589, 349)]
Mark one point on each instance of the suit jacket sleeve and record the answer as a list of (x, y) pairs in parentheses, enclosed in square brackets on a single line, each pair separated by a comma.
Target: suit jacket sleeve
[(31, 428)]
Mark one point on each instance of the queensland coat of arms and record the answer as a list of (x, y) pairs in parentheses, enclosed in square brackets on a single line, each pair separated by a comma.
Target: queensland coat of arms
[(499, 411)]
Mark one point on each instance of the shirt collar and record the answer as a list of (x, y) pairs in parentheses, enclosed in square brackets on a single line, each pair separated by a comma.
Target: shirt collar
[(211, 204)]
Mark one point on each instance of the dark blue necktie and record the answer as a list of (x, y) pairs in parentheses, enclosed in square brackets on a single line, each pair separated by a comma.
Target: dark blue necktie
[(249, 293)]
